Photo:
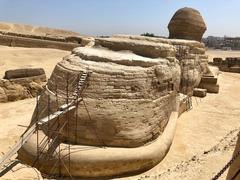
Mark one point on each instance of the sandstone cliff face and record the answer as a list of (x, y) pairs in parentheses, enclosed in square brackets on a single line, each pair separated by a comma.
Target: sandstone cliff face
[(129, 97), (187, 23)]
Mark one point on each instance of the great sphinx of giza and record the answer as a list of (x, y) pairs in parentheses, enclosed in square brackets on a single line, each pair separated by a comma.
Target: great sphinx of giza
[(126, 117), (187, 23)]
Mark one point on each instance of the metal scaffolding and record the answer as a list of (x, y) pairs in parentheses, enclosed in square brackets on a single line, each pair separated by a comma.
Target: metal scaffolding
[(53, 127)]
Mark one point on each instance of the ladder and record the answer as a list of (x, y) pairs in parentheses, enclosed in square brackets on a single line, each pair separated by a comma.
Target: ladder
[(52, 144), (61, 111)]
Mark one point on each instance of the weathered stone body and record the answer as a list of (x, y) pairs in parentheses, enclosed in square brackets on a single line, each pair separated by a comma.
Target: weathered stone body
[(125, 96), (190, 54), (187, 23), (130, 103)]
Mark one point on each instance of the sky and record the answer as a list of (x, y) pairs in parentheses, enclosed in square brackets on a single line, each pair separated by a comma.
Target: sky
[(108, 17)]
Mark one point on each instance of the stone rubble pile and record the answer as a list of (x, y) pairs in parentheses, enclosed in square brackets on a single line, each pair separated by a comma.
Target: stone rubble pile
[(230, 64), (21, 84)]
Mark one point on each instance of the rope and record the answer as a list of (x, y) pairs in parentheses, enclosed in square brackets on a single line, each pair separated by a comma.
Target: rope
[(220, 173)]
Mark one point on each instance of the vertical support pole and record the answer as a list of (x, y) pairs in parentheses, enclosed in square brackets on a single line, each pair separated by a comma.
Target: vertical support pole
[(48, 130), (76, 118), (56, 95), (68, 123), (58, 127), (37, 125), (185, 79)]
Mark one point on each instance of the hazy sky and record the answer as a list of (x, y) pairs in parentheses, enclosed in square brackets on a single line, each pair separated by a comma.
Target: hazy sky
[(106, 17)]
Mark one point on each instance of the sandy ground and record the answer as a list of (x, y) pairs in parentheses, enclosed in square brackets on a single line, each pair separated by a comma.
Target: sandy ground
[(198, 131), (204, 141), (16, 57), (223, 54), (29, 29)]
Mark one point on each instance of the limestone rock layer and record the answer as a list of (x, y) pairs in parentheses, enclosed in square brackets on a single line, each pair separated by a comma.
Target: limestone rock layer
[(129, 97), (189, 54), (130, 101), (130, 93)]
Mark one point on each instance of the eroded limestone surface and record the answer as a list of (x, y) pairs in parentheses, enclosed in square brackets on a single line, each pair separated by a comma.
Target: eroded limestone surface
[(190, 55), (187, 23), (129, 97), (132, 94)]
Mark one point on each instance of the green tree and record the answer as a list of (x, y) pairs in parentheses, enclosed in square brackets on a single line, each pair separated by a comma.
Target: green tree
[(148, 34)]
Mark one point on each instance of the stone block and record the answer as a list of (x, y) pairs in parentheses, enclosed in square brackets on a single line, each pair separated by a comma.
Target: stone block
[(211, 88), (217, 61), (209, 79), (234, 69), (22, 73), (199, 92)]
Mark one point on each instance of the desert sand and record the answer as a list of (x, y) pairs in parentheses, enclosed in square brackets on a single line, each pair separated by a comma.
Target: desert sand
[(223, 54), (34, 30), (16, 57), (205, 137)]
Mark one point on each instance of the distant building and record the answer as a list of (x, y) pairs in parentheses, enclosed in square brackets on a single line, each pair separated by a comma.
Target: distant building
[(234, 43), (214, 42), (225, 43)]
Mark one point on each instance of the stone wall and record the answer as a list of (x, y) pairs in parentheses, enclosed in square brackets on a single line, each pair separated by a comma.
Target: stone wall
[(36, 41), (21, 84), (230, 64), (15, 41)]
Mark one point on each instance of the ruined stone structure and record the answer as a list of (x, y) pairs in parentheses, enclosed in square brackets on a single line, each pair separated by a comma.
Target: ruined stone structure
[(187, 23), (190, 55), (21, 84), (130, 104), (125, 97), (36, 41), (110, 108), (230, 64), (17, 35)]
